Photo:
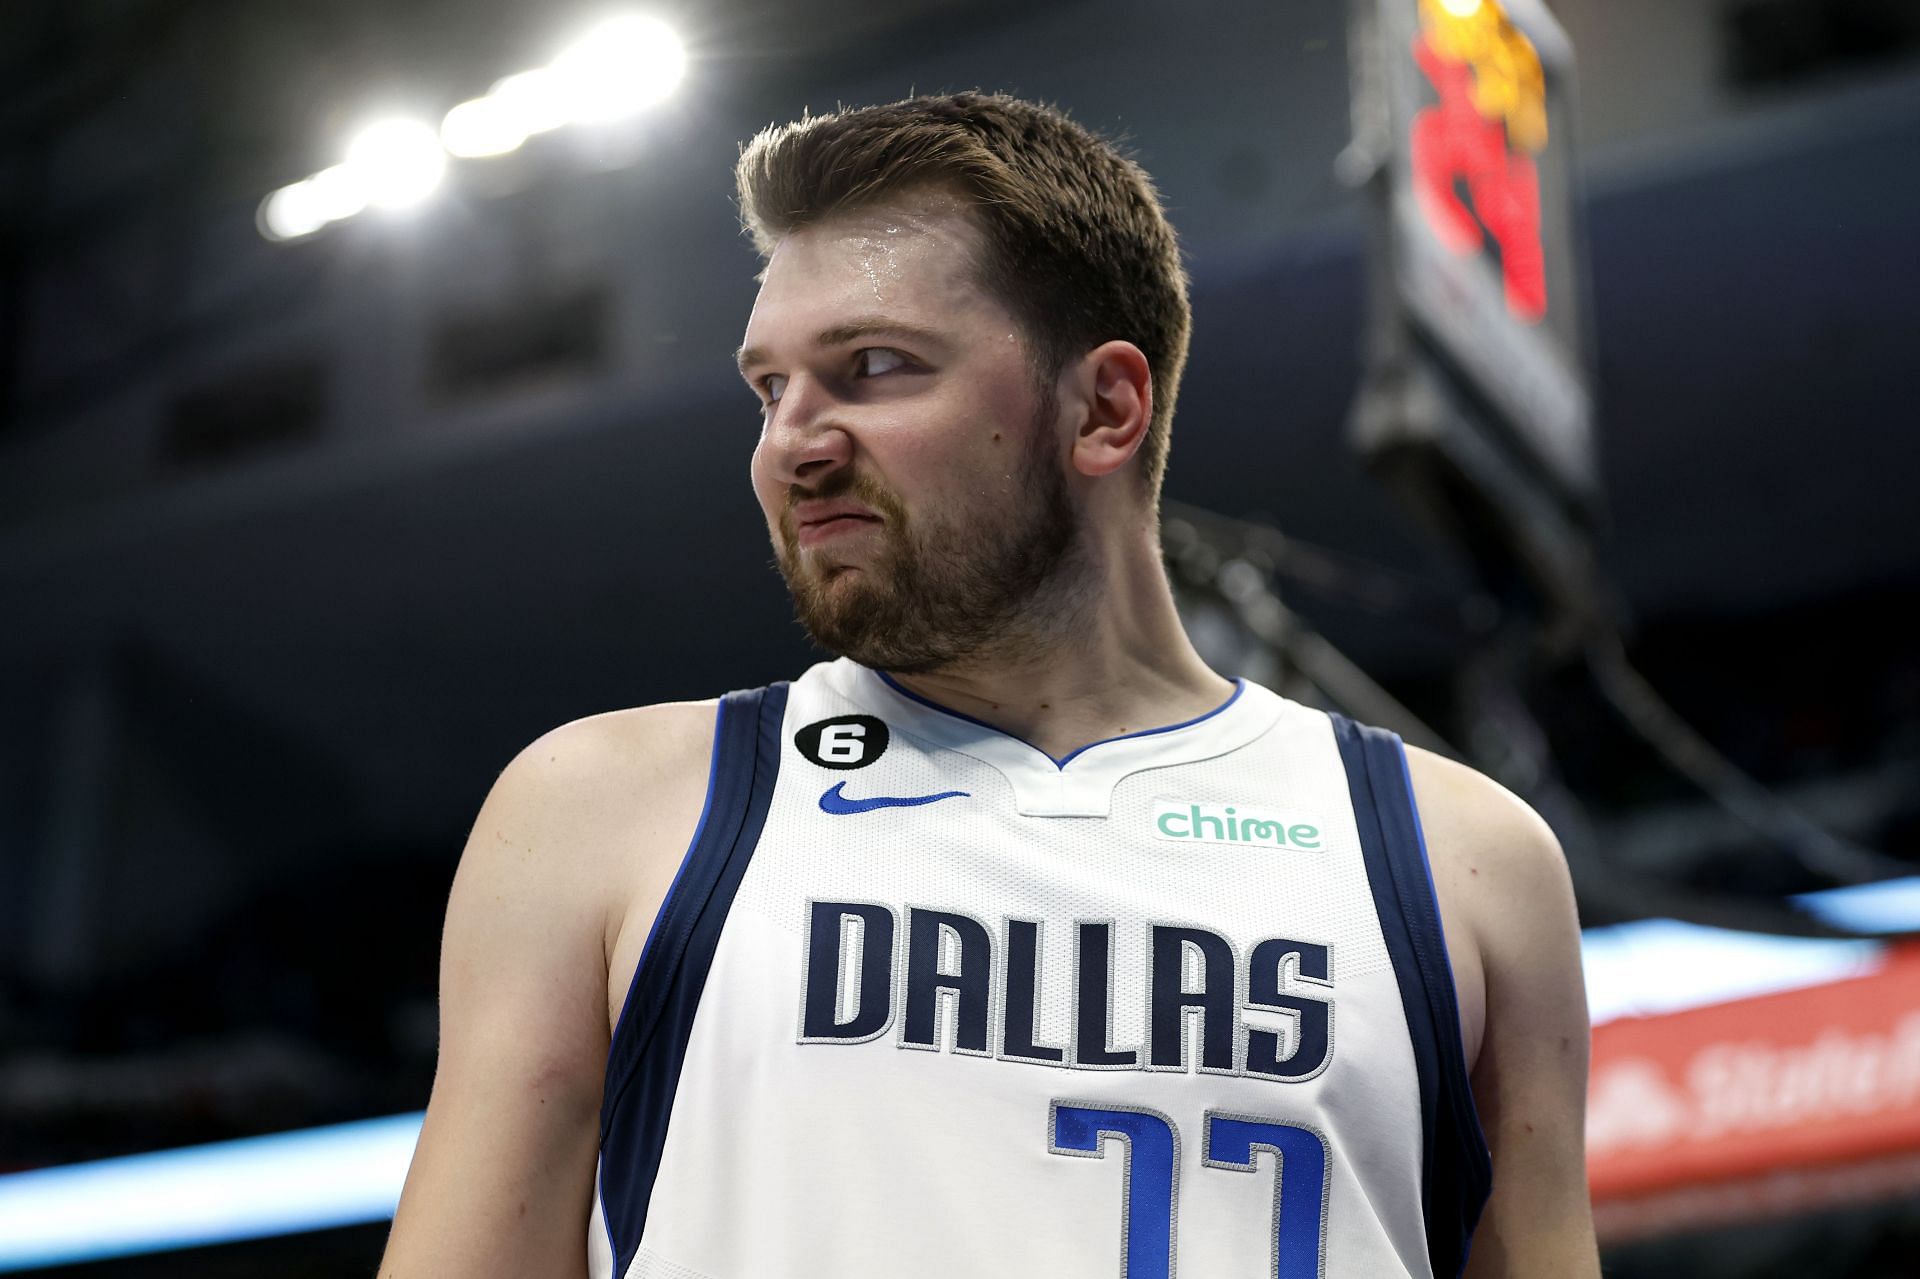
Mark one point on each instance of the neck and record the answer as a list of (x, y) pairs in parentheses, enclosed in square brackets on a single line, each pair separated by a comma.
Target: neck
[(1112, 660)]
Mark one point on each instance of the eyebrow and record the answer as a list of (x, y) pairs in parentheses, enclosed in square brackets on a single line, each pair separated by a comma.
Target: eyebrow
[(840, 334)]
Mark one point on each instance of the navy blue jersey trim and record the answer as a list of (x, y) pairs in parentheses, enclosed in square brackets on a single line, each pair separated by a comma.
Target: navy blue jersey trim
[(1456, 1172), (650, 1040), (617, 1059), (1239, 687)]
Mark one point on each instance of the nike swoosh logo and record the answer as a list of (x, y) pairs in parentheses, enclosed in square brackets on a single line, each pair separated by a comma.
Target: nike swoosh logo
[(834, 802)]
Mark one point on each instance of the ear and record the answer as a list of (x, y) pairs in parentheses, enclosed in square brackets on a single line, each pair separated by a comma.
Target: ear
[(1116, 387)]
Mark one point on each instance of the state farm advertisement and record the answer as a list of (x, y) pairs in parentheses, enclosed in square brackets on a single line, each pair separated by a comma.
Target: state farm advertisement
[(1760, 1091)]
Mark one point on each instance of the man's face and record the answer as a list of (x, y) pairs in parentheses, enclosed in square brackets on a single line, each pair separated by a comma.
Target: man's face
[(908, 466)]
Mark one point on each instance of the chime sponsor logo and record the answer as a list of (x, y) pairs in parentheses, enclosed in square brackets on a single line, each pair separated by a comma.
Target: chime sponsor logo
[(1188, 822)]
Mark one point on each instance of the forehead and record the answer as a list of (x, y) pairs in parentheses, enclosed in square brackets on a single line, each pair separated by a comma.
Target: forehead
[(914, 258)]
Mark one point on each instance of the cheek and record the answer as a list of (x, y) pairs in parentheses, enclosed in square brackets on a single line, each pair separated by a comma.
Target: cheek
[(1010, 414), (1008, 445)]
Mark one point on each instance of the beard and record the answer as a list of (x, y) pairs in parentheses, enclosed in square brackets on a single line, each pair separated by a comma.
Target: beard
[(942, 592)]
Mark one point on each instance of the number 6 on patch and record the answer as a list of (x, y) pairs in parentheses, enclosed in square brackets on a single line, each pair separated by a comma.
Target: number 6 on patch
[(1151, 1180)]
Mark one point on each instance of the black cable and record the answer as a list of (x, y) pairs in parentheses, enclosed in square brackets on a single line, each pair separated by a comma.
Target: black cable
[(1815, 849), (1232, 560)]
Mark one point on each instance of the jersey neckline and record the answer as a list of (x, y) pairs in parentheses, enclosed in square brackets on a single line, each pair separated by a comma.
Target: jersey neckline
[(1080, 784), (1239, 686)]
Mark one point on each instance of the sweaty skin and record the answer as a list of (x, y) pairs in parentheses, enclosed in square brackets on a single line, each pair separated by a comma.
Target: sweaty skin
[(888, 251), (888, 376)]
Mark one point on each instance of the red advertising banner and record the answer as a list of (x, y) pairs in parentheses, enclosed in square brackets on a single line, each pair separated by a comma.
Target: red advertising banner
[(1767, 1104)]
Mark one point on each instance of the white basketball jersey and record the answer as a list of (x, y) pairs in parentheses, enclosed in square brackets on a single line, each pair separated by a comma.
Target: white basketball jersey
[(925, 1001)]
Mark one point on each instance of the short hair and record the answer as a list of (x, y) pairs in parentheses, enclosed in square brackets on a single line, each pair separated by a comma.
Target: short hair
[(1077, 244)]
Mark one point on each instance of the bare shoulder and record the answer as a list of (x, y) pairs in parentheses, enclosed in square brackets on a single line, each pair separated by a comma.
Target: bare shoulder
[(582, 757), (1472, 816), (578, 829), (635, 782), (1513, 933), (1495, 861), (604, 804), (589, 777), (1499, 874), (581, 820)]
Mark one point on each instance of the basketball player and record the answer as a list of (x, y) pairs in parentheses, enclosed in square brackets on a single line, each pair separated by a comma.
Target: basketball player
[(1014, 942)]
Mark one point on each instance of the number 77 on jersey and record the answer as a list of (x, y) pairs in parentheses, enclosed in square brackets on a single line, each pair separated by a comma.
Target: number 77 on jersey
[(1150, 1146)]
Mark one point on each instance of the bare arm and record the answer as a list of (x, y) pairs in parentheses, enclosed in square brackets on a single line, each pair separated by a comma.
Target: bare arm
[(570, 845), (1507, 878)]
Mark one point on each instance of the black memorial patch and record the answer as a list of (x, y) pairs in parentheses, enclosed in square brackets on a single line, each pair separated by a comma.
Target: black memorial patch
[(843, 742)]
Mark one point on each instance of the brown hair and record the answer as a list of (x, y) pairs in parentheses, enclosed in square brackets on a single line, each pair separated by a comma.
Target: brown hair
[(1077, 244)]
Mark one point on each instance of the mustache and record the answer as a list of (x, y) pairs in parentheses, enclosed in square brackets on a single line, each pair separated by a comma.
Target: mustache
[(845, 482)]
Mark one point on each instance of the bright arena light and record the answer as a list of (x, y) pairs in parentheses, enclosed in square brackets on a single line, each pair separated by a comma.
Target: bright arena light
[(397, 162), (615, 69), (307, 205), (289, 213), (479, 128), (535, 101), (620, 66), (315, 1179), (336, 192)]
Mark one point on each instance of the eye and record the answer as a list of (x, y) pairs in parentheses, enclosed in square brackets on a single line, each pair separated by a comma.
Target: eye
[(773, 385), (875, 360)]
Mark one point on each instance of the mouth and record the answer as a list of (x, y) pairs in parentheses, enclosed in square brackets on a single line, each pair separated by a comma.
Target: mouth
[(839, 526)]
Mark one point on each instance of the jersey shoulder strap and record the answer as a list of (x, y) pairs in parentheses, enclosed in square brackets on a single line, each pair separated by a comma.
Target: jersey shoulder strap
[(650, 1040), (1456, 1170)]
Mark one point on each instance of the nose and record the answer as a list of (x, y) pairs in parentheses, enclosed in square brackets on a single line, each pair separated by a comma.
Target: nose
[(804, 441)]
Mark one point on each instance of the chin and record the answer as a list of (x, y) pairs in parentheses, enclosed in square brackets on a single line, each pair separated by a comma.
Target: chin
[(826, 574)]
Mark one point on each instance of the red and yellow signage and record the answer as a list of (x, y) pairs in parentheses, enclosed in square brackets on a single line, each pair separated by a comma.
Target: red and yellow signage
[(1483, 135), (1757, 1105)]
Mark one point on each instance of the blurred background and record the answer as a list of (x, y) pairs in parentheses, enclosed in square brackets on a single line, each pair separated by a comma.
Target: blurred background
[(313, 514)]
